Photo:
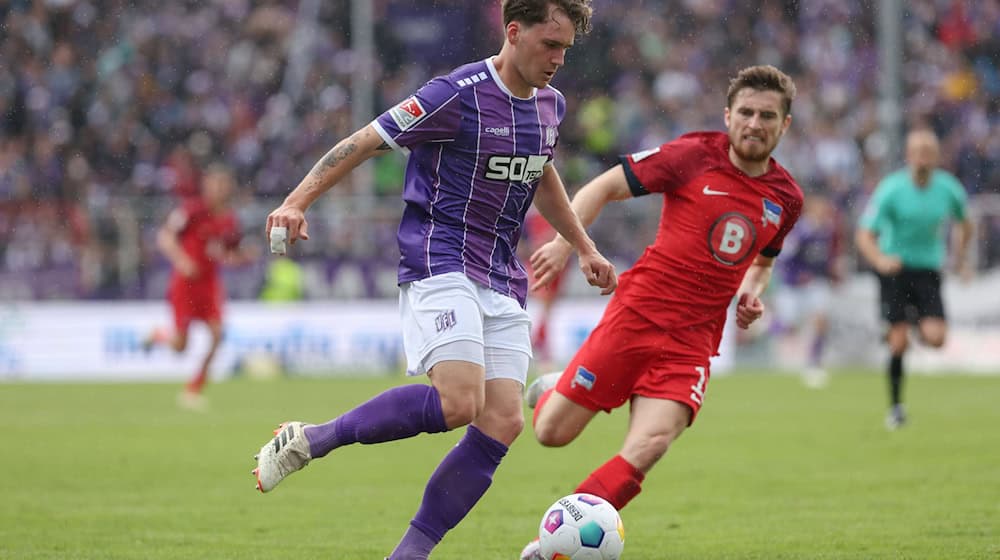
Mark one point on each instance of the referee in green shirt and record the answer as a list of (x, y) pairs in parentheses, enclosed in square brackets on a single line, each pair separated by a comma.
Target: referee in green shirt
[(902, 234)]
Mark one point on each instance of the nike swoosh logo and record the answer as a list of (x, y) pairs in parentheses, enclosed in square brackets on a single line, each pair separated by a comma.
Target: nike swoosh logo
[(708, 190)]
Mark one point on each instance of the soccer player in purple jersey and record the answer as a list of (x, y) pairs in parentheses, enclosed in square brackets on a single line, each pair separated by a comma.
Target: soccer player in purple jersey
[(809, 272), (480, 142)]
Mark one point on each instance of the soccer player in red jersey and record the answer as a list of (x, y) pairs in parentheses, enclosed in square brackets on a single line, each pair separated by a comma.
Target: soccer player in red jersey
[(537, 232), (196, 237), (727, 208)]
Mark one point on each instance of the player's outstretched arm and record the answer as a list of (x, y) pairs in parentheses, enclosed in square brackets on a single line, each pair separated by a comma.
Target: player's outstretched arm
[(749, 307), (553, 203), (348, 154), (549, 259)]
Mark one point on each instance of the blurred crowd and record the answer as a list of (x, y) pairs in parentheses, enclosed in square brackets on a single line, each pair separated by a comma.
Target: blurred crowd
[(111, 109)]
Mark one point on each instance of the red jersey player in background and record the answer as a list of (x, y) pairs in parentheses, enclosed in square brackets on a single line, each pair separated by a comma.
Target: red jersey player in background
[(727, 208), (197, 237), (539, 231)]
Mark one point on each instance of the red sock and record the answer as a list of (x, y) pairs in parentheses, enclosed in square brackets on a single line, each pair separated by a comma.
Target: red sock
[(541, 402), (198, 381), (617, 481)]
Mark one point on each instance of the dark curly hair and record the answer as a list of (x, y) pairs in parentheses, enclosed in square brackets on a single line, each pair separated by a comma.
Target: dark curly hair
[(537, 11)]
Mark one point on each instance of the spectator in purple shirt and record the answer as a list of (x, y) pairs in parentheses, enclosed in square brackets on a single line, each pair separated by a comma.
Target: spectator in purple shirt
[(480, 142)]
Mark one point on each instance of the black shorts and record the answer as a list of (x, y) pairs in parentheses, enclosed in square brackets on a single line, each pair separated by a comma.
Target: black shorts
[(911, 295)]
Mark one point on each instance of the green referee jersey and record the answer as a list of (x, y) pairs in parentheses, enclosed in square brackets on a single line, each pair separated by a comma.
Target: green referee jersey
[(911, 221)]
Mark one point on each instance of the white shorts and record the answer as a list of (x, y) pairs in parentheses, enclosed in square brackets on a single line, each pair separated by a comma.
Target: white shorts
[(449, 308), (795, 304)]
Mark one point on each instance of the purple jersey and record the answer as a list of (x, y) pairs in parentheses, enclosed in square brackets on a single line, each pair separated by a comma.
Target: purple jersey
[(476, 154), (809, 251)]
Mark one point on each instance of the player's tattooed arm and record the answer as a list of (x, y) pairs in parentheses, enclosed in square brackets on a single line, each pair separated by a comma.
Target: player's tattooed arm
[(327, 172), (332, 158), (342, 159)]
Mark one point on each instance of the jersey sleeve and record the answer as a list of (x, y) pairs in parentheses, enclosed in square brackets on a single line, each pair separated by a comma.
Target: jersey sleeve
[(793, 209), (432, 114), (959, 198), (664, 168), (874, 216), (180, 217)]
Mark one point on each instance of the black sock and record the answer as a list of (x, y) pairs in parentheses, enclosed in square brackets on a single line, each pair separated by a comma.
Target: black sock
[(895, 378)]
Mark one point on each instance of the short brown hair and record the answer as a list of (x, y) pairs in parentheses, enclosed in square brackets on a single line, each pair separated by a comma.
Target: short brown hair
[(762, 78), (537, 11)]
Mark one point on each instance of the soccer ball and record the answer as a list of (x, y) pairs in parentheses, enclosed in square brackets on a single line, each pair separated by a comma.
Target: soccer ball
[(581, 527)]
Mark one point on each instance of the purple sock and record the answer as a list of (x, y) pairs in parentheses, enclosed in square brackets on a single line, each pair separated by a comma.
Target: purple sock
[(816, 350), (398, 413), (456, 485)]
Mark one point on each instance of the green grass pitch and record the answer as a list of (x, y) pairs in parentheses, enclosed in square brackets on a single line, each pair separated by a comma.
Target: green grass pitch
[(771, 470)]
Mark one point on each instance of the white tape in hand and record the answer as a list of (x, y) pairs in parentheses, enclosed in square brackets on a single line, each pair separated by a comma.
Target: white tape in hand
[(278, 236)]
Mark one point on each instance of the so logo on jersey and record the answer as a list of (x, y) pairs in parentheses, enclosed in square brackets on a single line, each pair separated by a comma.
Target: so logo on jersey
[(731, 238), (524, 169)]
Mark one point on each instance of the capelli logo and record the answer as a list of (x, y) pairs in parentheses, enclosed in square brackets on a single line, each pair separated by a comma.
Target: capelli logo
[(498, 131)]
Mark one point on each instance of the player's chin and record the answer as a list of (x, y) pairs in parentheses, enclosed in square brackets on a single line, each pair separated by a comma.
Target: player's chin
[(756, 153)]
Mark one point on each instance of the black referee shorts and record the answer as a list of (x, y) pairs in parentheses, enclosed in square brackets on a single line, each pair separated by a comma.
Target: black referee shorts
[(910, 295)]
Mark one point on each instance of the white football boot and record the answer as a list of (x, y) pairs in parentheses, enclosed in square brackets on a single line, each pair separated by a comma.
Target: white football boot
[(286, 453), (541, 384), (533, 551), (815, 377)]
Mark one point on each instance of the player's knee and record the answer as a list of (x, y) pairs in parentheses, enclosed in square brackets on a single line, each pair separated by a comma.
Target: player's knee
[(512, 427), (552, 434), (897, 341), (461, 403), (179, 343), (934, 338), (503, 427), (459, 411)]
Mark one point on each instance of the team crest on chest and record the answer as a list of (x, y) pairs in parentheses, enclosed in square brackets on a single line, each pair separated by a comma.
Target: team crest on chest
[(772, 213), (732, 238)]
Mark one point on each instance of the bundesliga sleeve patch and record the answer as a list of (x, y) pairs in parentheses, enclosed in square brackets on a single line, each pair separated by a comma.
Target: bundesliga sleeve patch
[(407, 113)]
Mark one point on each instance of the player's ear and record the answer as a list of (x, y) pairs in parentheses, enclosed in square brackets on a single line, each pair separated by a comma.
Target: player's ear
[(513, 32), (725, 117)]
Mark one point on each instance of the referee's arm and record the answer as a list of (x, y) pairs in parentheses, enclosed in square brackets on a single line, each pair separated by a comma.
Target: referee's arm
[(867, 244)]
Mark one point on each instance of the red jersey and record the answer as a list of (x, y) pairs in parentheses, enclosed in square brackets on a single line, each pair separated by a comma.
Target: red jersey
[(205, 236), (715, 220)]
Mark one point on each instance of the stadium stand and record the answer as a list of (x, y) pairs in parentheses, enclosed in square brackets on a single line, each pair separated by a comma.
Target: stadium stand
[(111, 108)]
